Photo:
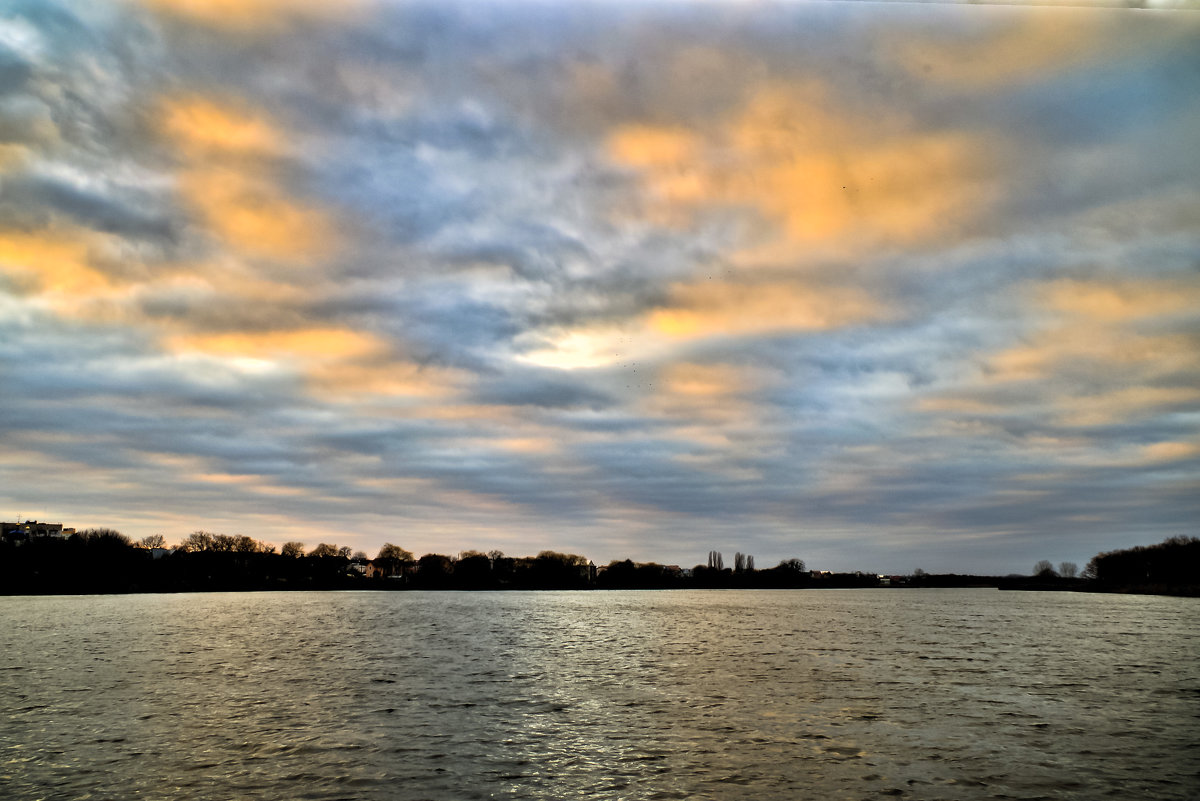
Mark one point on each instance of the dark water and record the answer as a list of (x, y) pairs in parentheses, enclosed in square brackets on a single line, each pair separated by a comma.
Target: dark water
[(921, 694)]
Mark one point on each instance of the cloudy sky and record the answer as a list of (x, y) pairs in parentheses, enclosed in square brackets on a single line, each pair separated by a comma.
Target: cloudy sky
[(880, 286)]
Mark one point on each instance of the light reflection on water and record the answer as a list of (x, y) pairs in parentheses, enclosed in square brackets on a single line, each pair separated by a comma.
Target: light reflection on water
[(807, 694)]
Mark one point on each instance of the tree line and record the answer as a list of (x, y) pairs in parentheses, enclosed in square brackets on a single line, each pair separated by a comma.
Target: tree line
[(1171, 567), (104, 560)]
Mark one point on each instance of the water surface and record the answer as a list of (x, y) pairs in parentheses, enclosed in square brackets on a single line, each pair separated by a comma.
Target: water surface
[(923, 694)]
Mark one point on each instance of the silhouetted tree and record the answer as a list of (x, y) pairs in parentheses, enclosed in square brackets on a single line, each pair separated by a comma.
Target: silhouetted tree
[(325, 551), (292, 550), (715, 560), (473, 570), (554, 570), (1090, 569), (243, 544), (1044, 569), (795, 566), (627, 575), (1172, 565), (1068, 569), (390, 551), (103, 537), (434, 570), (153, 541), (739, 562), (198, 541)]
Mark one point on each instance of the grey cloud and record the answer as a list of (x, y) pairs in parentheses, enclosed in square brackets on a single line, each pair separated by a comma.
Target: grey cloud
[(440, 325), (15, 72), (533, 250), (540, 388), (133, 217), (25, 120)]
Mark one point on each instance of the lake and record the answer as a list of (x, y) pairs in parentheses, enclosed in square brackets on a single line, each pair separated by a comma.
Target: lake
[(808, 694)]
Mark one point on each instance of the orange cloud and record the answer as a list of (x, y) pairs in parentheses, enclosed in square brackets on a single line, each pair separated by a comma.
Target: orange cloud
[(707, 380), (200, 127), (348, 381), (311, 344), (1100, 346), (1099, 325), (1123, 301), (1170, 451), (12, 156), (696, 311), (1033, 44), (224, 279), (710, 406), (255, 216), (719, 307), (1124, 337), (53, 262), (232, 155), (255, 15), (659, 148), (1123, 405), (825, 176)]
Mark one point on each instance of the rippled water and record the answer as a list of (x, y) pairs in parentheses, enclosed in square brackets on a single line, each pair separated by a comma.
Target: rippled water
[(924, 694)]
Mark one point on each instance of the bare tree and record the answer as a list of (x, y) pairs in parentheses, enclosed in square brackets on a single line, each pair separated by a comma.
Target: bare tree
[(293, 550), (153, 541), (324, 549), (715, 560), (749, 563), (1044, 569), (1068, 569), (198, 541), (739, 562)]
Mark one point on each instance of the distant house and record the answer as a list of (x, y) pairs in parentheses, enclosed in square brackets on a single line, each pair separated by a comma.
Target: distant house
[(387, 568)]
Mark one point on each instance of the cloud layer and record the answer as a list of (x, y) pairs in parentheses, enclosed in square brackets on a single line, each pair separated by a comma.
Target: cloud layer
[(877, 286)]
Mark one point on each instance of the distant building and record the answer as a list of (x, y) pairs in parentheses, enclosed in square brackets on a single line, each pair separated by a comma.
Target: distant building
[(388, 568), (33, 530)]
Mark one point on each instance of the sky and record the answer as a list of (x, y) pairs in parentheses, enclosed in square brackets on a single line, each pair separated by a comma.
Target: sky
[(875, 285)]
